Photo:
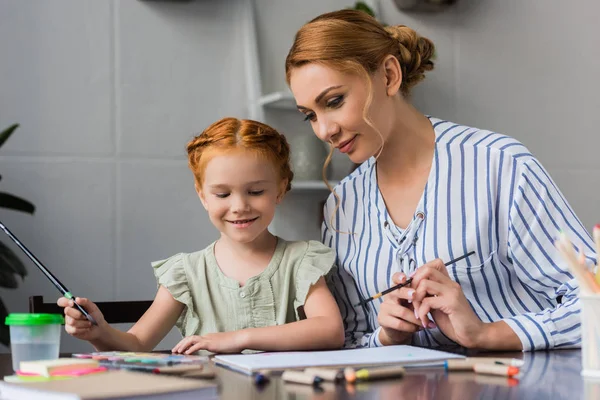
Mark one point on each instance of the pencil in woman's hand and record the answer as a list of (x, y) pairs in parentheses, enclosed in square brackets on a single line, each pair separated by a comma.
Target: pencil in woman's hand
[(408, 282)]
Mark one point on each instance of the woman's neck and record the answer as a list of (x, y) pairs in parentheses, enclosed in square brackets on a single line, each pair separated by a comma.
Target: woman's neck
[(410, 145)]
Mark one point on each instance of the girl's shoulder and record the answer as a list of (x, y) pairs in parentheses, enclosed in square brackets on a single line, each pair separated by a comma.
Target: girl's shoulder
[(178, 263), (307, 255)]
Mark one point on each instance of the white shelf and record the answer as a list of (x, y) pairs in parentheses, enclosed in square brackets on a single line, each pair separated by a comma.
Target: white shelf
[(311, 185), (281, 100)]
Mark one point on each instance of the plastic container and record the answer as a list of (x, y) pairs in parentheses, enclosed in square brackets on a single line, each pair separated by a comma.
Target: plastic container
[(590, 335), (34, 337)]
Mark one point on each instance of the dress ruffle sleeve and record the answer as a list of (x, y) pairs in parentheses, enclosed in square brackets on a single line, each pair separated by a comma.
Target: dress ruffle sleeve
[(317, 262), (170, 273)]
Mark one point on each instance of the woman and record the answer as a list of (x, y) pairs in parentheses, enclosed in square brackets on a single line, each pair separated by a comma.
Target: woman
[(428, 190)]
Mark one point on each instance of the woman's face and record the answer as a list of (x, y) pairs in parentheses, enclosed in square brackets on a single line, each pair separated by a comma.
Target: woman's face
[(334, 102)]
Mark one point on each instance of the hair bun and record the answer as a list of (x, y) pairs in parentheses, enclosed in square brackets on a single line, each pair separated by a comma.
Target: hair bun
[(415, 54)]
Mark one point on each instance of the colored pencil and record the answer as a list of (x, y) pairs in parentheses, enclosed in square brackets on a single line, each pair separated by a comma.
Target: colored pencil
[(408, 282), (62, 288)]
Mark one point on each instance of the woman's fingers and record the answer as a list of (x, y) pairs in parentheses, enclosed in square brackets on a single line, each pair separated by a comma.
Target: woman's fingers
[(389, 307), (430, 303), (398, 277), (388, 321), (429, 288), (431, 271)]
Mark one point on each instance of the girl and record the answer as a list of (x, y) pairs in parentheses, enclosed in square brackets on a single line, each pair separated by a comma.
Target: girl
[(244, 290), (430, 189)]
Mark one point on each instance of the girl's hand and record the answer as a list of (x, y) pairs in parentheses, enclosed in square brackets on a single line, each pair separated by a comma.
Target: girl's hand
[(396, 317), (76, 324), (435, 292), (223, 342)]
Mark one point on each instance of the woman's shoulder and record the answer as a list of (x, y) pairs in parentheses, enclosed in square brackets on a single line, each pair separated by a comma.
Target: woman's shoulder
[(450, 134)]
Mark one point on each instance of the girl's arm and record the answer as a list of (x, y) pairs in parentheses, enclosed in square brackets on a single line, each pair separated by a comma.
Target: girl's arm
[(322, 329), (151, 328)]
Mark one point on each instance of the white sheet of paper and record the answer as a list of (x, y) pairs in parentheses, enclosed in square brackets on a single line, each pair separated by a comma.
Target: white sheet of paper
[(353, 357)]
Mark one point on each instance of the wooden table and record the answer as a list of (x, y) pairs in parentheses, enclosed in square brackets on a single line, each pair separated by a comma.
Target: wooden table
[(546, 375)]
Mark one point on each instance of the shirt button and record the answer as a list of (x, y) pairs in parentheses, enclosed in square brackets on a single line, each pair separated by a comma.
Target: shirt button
[(242, 294)]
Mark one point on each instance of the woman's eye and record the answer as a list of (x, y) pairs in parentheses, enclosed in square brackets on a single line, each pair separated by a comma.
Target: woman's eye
[(309, 116), (256, 192), (335, 102), (221, 195)]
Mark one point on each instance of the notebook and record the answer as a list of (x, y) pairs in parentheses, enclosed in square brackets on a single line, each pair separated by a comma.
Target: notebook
[(118, 384), (376, 356)]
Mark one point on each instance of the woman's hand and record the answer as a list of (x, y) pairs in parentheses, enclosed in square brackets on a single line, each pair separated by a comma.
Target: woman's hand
[(223, 342), (76, 324), (396, 317), (435, 292)]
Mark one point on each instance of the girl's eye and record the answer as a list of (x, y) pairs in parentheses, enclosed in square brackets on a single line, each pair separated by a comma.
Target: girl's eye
[(335, 102), (256, 192), (221, 195), (309, 116)]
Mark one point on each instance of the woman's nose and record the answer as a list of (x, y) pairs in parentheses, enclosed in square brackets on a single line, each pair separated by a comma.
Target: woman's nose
[(327, 130)]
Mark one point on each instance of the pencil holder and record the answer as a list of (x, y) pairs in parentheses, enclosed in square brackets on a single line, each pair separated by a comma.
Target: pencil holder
[(590, 335)]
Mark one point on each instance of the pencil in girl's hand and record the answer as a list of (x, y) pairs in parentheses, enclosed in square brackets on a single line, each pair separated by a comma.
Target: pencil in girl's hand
[(596, 234), (408, 281), (65, 292)]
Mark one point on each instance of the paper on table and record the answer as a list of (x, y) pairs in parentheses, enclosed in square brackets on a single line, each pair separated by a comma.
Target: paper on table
[(404, 355)]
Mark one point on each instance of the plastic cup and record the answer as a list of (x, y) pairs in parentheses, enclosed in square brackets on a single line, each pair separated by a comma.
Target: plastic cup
[(590, 335), (34, 337)]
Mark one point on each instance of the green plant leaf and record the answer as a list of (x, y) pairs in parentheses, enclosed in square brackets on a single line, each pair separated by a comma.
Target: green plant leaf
[(9, 261), (6, 133), (362, 6), (16, 203), (4, 329), (7, 278)]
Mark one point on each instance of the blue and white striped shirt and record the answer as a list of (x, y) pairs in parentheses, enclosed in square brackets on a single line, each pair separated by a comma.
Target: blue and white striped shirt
[(487, 193)]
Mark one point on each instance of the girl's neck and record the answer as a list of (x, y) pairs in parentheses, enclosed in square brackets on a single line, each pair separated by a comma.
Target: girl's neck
[(410, 145), (264, 243)]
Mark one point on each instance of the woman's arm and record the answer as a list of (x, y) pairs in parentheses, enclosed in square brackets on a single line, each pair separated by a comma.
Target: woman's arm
[(538, 214), (152, 327)]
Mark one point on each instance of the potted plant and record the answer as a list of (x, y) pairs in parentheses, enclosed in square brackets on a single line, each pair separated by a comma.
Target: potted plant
[(10, 265)]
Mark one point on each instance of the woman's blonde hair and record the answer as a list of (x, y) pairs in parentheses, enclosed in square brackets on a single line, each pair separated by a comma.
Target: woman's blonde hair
[(352, 41)]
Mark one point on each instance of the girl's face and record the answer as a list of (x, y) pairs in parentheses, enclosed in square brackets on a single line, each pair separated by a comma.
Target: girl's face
[(240, 192), (333, 103)]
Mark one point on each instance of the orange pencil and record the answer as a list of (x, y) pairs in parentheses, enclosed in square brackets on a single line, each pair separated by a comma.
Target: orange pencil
[(492, 369)]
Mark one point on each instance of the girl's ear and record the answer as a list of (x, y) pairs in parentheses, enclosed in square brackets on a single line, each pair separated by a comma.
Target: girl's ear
[(281, 192), (393, 75), (201, 196)]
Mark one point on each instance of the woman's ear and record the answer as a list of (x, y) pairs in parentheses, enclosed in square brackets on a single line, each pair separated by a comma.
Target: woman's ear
[(393, 75)]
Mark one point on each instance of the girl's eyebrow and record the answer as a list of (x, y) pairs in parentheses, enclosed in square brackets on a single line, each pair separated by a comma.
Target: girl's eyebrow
[(224, 186)]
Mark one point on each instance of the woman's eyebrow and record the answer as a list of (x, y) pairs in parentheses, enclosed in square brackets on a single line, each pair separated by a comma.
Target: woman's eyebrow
[(320, 96)]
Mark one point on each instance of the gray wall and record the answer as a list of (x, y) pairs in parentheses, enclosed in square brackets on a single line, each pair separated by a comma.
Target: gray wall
[(108, 93)]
